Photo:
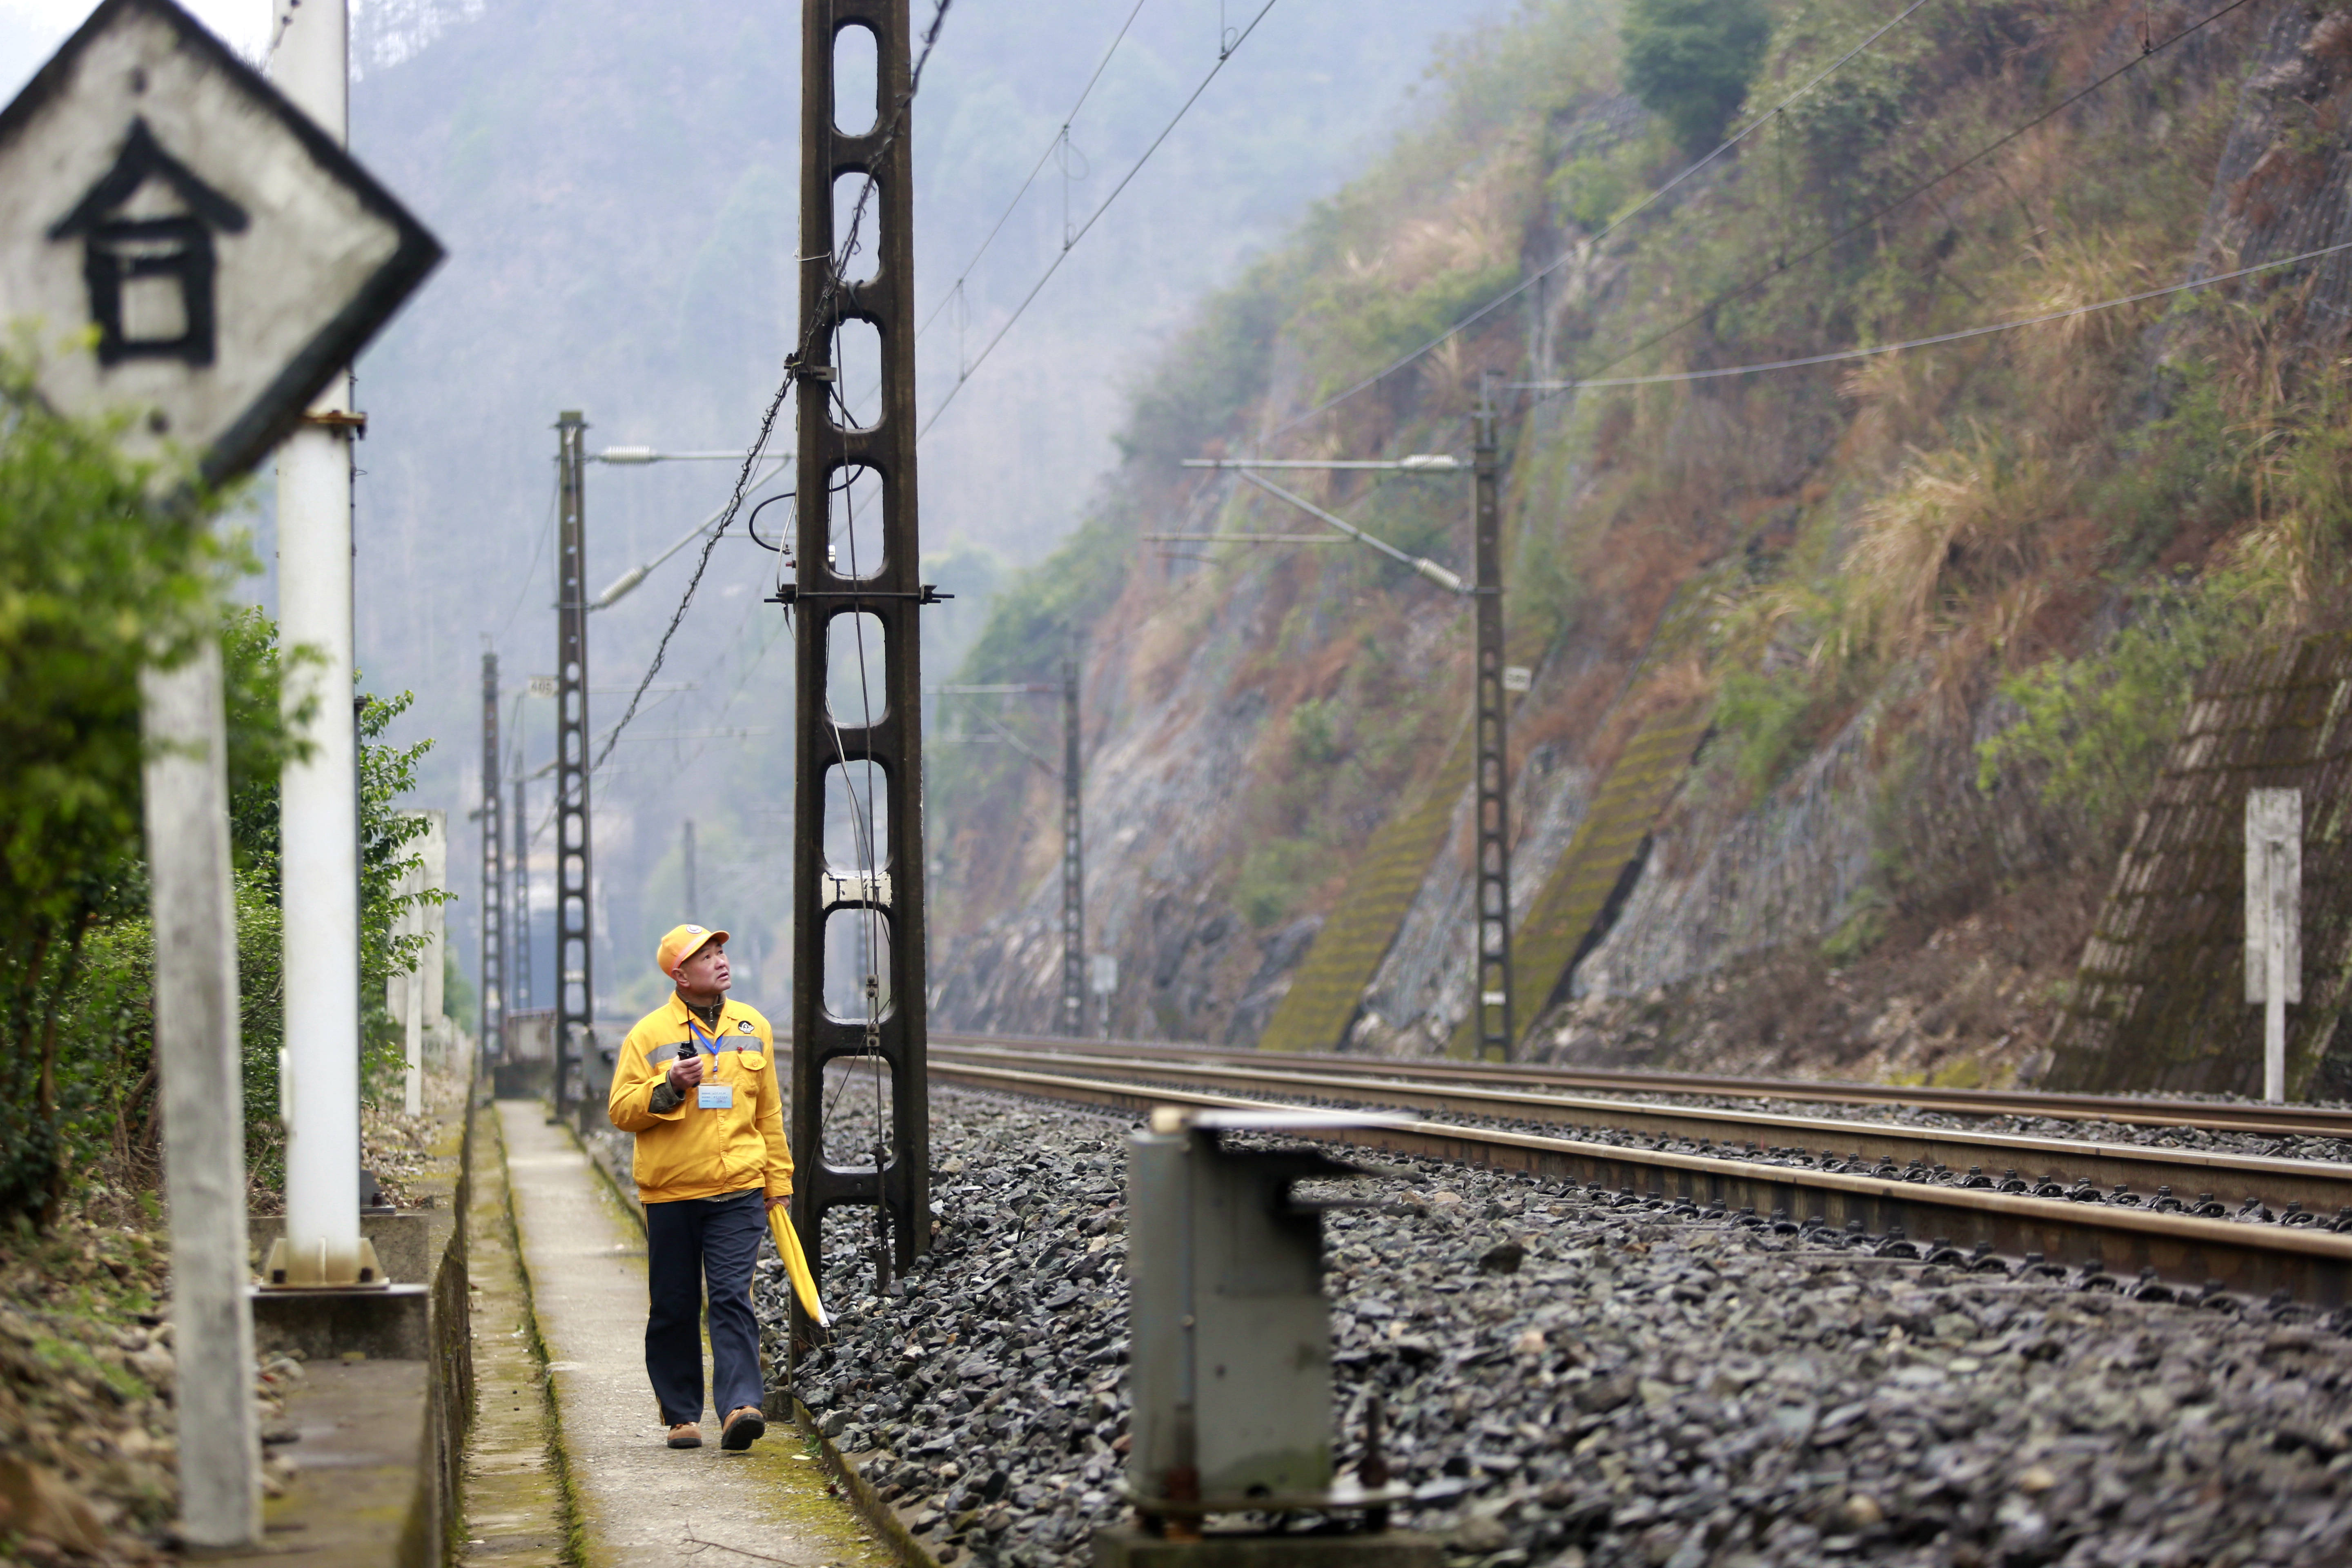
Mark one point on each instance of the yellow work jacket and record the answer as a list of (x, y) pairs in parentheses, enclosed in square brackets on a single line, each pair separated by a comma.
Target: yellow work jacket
[(690, 1151)]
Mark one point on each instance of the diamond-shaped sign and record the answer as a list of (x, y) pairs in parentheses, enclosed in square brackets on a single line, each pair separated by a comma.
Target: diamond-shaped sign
[(220, 254)]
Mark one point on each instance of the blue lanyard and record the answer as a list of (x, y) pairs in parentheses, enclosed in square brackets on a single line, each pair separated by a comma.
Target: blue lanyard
[(699, 1039)]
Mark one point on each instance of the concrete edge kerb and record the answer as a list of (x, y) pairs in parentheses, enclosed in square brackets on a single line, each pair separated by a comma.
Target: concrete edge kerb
[(573, 1518), (879, 1515)]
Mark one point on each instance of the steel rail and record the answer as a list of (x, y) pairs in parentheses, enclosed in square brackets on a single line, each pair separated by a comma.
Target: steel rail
[(2321, 1187), (2160, 1255), (2234, 1116)]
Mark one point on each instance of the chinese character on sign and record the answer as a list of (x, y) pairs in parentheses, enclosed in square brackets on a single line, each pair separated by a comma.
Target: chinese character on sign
[(146, 229)]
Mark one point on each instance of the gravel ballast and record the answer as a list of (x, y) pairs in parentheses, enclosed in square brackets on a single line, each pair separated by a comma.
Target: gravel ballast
[(1569, 1383)]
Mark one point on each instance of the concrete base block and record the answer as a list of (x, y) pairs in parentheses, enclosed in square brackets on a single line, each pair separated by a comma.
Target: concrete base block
[(403, 1241), (1128, 1547), (385, 1324), (360, 1494)]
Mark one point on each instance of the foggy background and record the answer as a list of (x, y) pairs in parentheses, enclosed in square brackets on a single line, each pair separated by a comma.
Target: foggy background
[(617, 186)]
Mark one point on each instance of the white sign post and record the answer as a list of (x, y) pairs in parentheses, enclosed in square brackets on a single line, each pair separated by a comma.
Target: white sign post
[(2273, 921), (194, 255)]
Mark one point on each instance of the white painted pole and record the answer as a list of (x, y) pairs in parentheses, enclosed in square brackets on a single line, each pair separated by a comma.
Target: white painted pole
[(319, 836), (413, 1088), (194, 915), (2274, 977), (2273, 921)]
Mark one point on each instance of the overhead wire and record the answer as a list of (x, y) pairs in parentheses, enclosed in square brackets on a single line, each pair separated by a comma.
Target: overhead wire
[(965, 273), (1872, 351), (1627, 215), (538, 551), (1071, 239)]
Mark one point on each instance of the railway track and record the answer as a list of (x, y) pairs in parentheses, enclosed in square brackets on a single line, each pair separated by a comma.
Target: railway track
[(2161, 1222), (2134, 1111)]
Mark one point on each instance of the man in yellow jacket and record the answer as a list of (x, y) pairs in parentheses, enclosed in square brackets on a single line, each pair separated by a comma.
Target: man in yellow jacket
[(697, 1083)]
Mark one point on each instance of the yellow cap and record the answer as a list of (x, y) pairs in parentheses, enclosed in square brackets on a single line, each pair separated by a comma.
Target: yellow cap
[(682, 943)]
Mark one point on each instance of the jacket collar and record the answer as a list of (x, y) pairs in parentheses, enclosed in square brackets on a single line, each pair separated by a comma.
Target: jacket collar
[(677, 1014)]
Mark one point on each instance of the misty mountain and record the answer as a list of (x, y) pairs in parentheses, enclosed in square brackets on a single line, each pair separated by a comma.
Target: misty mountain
[(618, 189)]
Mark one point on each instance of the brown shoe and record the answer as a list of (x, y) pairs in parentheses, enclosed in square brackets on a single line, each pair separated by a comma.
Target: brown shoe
[(686, 1435), (745, 1425)]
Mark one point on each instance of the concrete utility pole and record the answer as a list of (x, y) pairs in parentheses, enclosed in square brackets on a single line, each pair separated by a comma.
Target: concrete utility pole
[(686, 848), (522, 937), (833, 727), (575, 1010), (318, 835), (494, 877), (194, 924), (415, 997), (1493, 997), (1074, 855)]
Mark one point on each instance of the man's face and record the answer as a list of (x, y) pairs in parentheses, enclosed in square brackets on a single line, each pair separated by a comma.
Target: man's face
[(706, 971)]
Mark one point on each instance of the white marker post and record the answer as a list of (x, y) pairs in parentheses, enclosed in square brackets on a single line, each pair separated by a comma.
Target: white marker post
[(2273, 921), (192, 903)]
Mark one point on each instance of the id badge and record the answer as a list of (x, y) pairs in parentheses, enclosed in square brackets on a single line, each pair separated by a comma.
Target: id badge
[(714, 1096)]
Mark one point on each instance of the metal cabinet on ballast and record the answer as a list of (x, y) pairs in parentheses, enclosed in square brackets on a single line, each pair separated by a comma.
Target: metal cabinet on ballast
[(1230, 1333)]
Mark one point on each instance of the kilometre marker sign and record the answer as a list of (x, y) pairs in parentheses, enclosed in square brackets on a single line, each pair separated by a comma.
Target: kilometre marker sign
[(191, 249)]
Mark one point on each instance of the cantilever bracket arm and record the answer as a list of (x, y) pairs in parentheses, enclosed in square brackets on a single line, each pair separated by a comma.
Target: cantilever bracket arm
[(1015, 742), (1426, 567)]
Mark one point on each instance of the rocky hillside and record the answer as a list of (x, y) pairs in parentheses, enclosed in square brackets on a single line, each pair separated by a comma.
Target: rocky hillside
[(1850, 678)]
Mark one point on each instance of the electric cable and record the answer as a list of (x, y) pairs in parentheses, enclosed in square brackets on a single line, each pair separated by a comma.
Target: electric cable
[(869, 867), (1071, 240), (1491, 306), (530, 576), (964, 272), (1952, 337)]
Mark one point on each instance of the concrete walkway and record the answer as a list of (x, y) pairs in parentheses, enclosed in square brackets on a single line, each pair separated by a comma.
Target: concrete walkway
[(636, 1501)]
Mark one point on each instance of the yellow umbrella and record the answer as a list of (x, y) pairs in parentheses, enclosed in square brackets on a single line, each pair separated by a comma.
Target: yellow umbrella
[(788, 1247)]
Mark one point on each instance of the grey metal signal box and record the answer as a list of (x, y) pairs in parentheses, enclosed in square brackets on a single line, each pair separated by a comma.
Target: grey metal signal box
[(1230, 1333)]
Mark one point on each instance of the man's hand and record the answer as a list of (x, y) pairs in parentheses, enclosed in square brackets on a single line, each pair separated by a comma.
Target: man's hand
[(776, 1203), (686, 1072)]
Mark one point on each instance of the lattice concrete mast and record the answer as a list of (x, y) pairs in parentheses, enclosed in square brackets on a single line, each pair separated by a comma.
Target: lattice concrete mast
[(575, 990), (871, 740), (494, 902), (1073, 855), (1491, 766)]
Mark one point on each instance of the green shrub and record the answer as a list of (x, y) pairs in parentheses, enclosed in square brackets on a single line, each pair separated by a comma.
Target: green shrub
[(1766, 720), (2096, 728), (1589, 188), (1315, 732), (1276, 877), (1690, 61), (1371, 321), (387, 774), (2193, 464), (96, 581)]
